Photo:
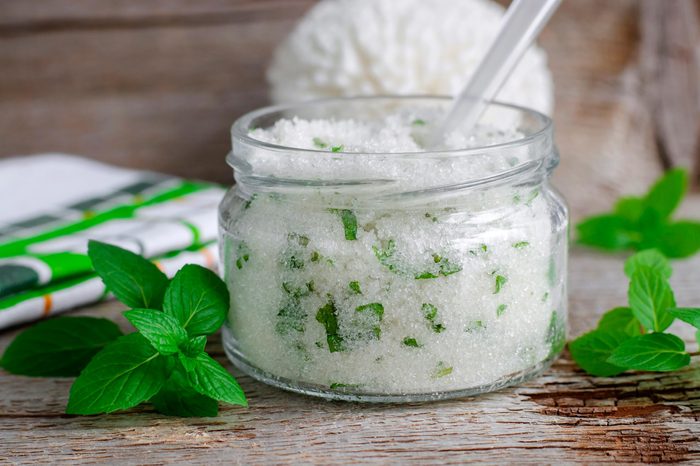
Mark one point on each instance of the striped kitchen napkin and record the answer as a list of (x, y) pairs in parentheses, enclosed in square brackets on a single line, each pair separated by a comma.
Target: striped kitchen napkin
[(52, 204)]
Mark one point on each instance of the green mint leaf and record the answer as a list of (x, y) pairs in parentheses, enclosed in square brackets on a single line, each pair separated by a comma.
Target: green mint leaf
[(198, 300), (162, 331), (649, 296), (474, 326), (652, 259), (430, 314), (59, 347), (194, 346), (209, 378), (291, 316), (318, 142), (666, 194), (411, 342), (328, 317), (135, 281), (629, 208), (178, 398), (592, 350), (608, 231), (337, 148), (349, 223), (690, 315), (418, 122), (500, 281), (355, 287), (660, 352), (521, 244), (124, 374), (679, 239), (620, 319), (385, 254)]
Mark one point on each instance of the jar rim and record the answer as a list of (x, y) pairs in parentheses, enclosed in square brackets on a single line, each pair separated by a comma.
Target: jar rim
[(241, 127)]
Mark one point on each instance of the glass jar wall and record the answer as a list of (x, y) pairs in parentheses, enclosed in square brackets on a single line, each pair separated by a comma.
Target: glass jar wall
[(394, 276)]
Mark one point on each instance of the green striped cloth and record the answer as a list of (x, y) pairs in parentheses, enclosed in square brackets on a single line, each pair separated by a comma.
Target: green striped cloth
[(52, 204)]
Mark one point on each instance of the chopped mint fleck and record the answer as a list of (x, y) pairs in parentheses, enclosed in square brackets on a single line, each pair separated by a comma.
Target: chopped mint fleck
[(328, 317), (474, 326), (430, 314), (315, 256), (291, 317), (430, 216), (442, 370), (418, 122), (242, 255), (375, 332), (545, 296), (531, 197), (300, 239), (500, 281), (521, 244), (355, 287), (337, 148), (445, 268), (349, 223), (411, 342), (501, 309), (384, 255), (516, 198), (247, 204), (335, 385), (318, 142)]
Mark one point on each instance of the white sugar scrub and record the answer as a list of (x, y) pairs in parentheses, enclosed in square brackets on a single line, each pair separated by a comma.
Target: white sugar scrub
[(361, 266)]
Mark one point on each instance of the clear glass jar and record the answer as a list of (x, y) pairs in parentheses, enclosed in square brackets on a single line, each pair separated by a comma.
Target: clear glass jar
[(359, 277)]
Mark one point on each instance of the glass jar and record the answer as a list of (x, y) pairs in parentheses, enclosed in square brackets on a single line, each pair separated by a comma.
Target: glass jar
[(394, 276)]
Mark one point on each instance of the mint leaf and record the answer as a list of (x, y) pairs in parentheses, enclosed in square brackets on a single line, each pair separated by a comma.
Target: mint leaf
[(318, 142), (209, 378), (135, 281), (349, 223), (178, 398), (442, 370), (652, 259), (660, 352), (649, 296), (369, 327), (328, 317), (592, 350), (194, 346), (690, 315), (607, 231), (666, 194), (198, 300), (125, 373), (680, 239), (355, 287), (620, 319), (337, 148), (161, 330), (59, 347), (629, 208)]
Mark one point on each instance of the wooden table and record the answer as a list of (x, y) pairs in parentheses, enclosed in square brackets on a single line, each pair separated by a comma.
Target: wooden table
[(563, 416)]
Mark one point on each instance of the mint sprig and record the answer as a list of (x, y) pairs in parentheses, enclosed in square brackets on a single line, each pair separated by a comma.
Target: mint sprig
[(164, 362), (634, 337), (640, 223)]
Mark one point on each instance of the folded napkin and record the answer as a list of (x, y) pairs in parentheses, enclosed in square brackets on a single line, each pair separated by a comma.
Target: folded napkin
[(52, 204)]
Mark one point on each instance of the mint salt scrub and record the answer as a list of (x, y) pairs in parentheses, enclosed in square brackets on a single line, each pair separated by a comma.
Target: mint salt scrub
[(362, 266)]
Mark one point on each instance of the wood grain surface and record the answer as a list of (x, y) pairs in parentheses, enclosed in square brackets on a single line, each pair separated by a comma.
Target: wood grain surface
[(157, 84), (562, 417)]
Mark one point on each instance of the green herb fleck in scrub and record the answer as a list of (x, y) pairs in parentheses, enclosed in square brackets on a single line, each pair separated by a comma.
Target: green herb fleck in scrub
[(163, 362)]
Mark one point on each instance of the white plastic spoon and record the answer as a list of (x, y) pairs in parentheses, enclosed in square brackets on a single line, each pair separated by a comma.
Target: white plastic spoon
[(523, 21)]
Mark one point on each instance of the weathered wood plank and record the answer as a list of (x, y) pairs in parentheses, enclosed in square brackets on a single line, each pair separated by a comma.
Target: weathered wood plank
[(562, 417)]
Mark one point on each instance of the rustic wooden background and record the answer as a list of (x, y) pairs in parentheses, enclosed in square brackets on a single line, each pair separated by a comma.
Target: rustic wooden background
[(156, 84)]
